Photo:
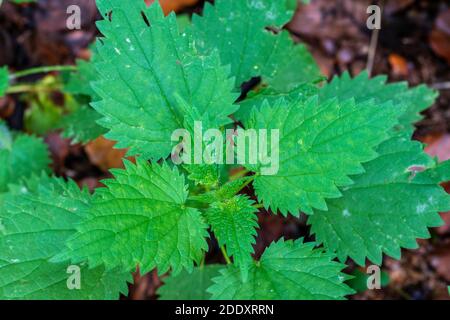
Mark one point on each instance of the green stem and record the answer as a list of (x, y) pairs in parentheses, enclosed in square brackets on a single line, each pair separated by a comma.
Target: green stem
[(202, 262), (22, 88), (250, 180), (37, 70), (258, 206), (225, 255), (194, 203)]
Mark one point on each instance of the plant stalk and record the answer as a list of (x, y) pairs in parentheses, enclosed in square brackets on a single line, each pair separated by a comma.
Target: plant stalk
[(225, 255), (38, 70)]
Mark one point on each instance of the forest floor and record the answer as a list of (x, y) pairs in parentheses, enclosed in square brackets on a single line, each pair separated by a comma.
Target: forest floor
[(413, 46)]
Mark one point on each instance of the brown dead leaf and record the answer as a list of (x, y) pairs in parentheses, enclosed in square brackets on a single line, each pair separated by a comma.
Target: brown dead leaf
[(101, 152), (438, 146), (173, 5), (398, 64), (440, 36), (59, 150), (6, 107), (91, 183)]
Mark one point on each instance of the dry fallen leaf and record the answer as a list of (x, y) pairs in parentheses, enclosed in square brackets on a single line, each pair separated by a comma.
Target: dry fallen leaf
[(101, 152), (173, 5), (440, 36), (398, 64), (438, 146), (59, 149)]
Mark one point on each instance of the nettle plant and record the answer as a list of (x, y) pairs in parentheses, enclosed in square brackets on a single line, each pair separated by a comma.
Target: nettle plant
[(346, 160)]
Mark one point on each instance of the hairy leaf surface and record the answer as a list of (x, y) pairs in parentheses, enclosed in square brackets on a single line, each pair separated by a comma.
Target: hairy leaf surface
[(20, 157), (362, 88), (288, 270), (152, 79), (387, 208), (321, 144), (239, 30), (35, 221), (233, 222), (141, 219)]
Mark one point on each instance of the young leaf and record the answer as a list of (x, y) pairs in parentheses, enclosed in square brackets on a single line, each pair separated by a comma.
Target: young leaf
[(239, 31), (288, 270), (4, 80), (20, 157), (81, 126), (387, 207), (362, 88), (320, 145), (225, 192), (206, 175), (140, 219), (233, 222), (35, 221), (152, 78), (190, 286)]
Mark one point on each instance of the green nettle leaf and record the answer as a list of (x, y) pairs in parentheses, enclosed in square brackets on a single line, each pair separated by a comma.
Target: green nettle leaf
[(79, 82), (141, 219), (255, 99), (4, 80), (152, 78), (35, 221), (387, 207), (362, 88), (441, 172), (233, 222), (20, 157), (190, 286), (288, 270), (6, 138), (320, 145), (81, 126), (339, 152), (239, 31)]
